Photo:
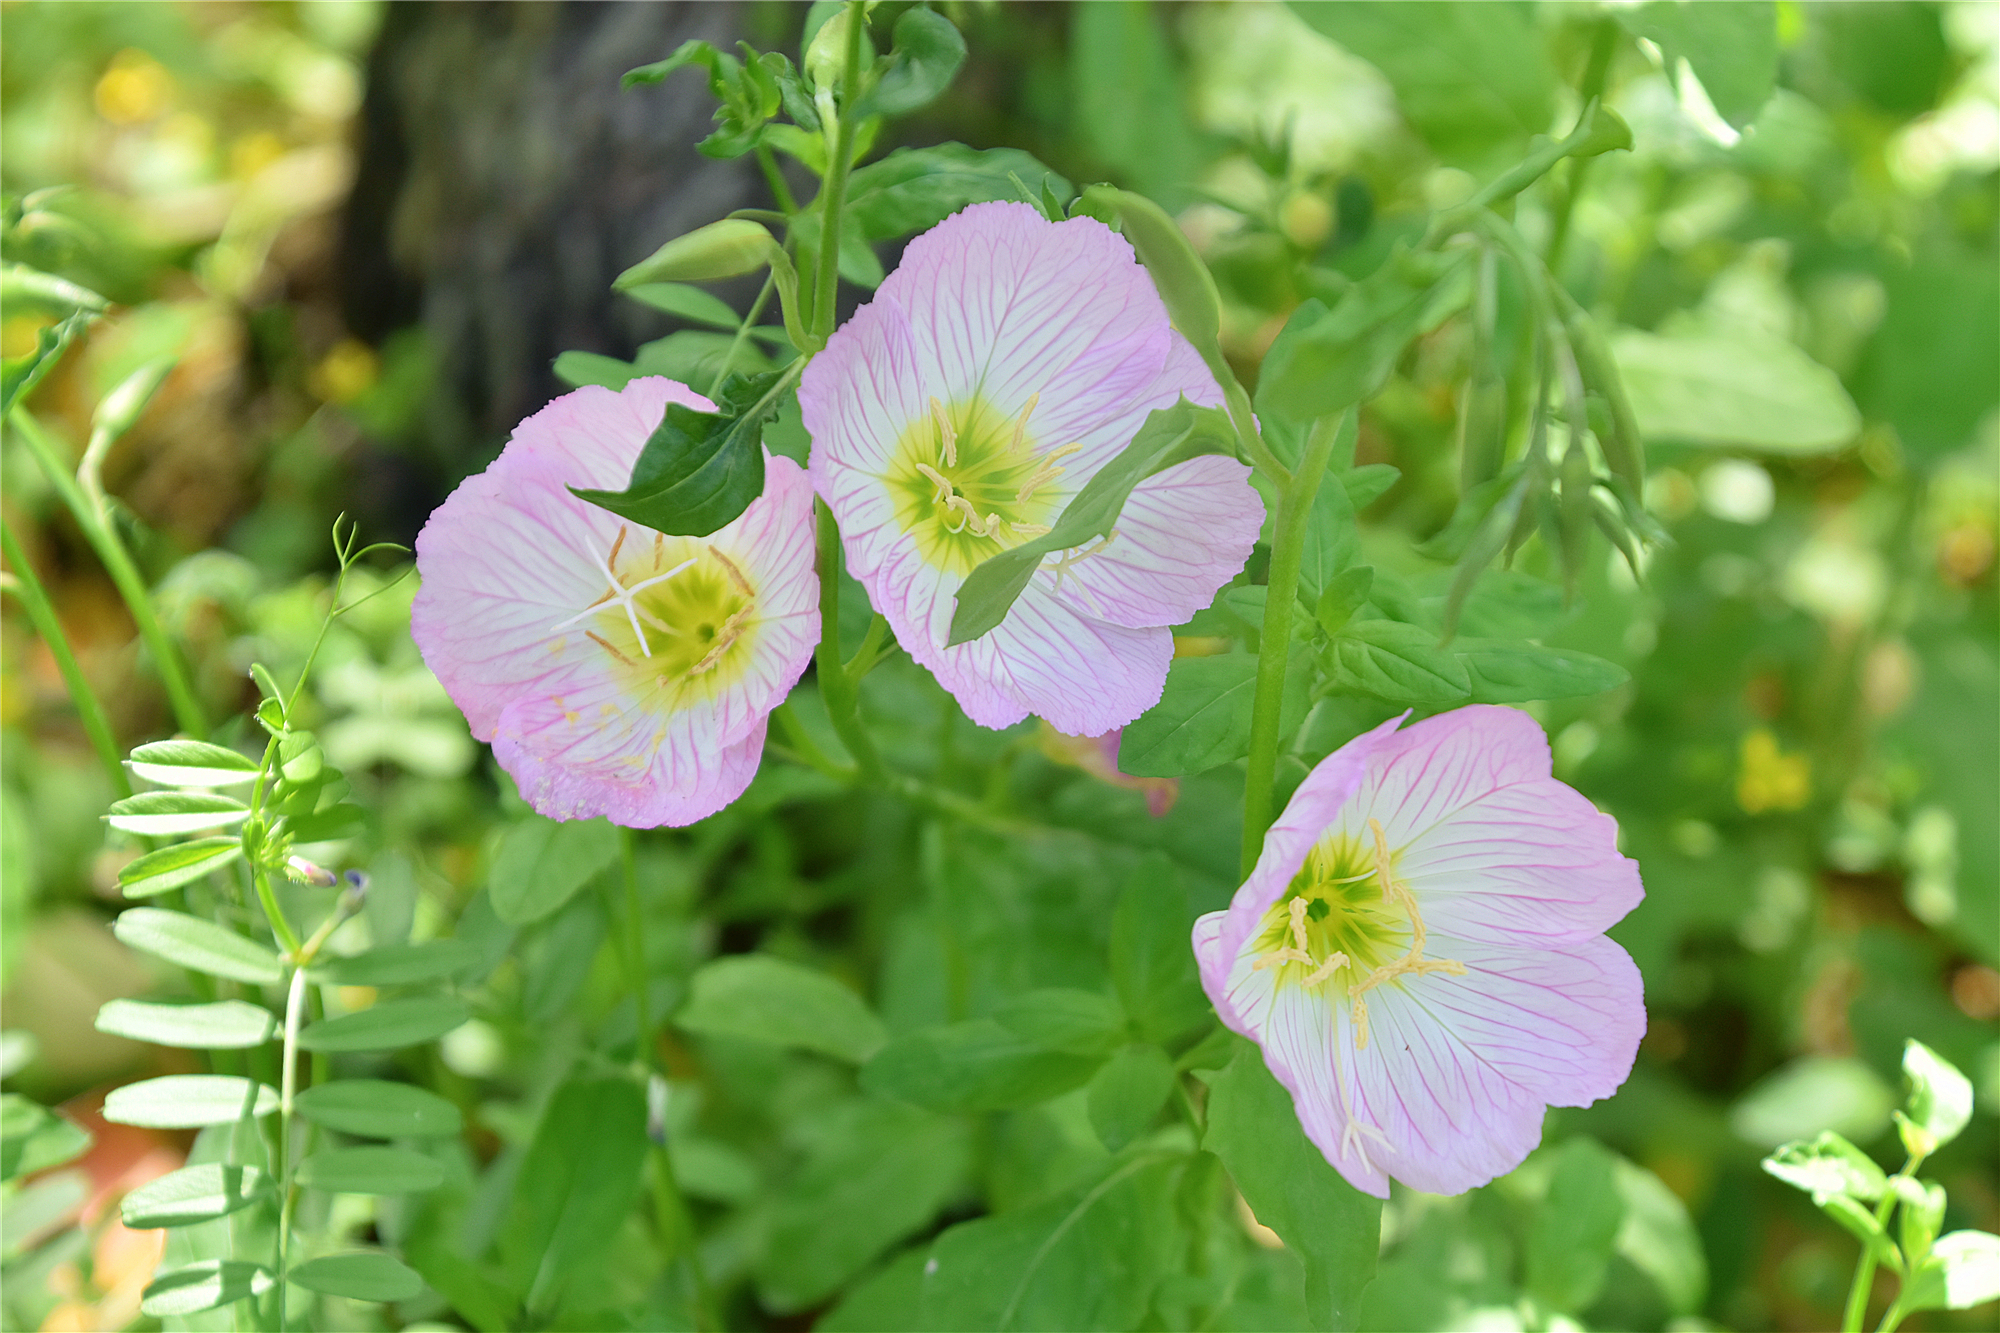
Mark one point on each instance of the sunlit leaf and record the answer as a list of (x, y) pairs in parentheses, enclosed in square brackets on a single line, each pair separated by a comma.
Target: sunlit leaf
[(221, 1025), (194, 1194), (188, 1101), (193, 942)]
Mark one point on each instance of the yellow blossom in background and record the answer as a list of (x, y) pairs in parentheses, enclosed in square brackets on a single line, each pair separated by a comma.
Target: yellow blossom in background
[(136, 88), (1769, 779), (346, 372)]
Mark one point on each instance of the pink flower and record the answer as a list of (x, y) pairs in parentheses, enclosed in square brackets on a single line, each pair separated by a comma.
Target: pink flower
[(1098, 756), (1003, 363), (1420, 951), (617, 671)]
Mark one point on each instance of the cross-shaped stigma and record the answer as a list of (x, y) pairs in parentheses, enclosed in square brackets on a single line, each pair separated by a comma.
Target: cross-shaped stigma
[(621, 594)]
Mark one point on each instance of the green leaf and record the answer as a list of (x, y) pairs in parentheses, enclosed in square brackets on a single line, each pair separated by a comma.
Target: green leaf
[(171, 867), (1342, 596), (914, 189), (1089, 1258), (1734, 388), (698, 470), (1504, 672), (1183, 280), (205, 1285), (223, 1025), (1921, 1215), (1347, 354), (1397, 662), (189, 1101), (973, 1066), (164, 813), (690, 303), (762, 998), (1963, 1271), (339, 820), (375, 1109), (1333, 1228), (1076, 1022), (1127, 1093), (578, 1180), (370, 1171), (1826, 1166), (398, 964), (878, 1172), (697, 357), (387, 1026), (1203, 717), (1940, 1101), (23, 286), (1332, 539), (928, 53), (1123, 57), (1659, 1239), (1471, 79), (300, 759), (1152, 959), (1732, 48), (1862, 1224), (203, 946), (1170, 435), (365, 1275), (1813, 1093), (577, 369), (194, 1194), (722, 249), (1575, 1227), (34, 1138), (542, 863), (191, 764)]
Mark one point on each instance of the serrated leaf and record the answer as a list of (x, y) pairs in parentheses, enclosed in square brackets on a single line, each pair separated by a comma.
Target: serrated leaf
[(204, 1285), (220, 1026), (1504, 672), (1397, 662), (760, 998), (189, 1101), (387, 1026), (973, 1066), (1203, 717), (194, 1194), (913, 189), (165, 813), (191, 764), (376, 1109), (398, 964), (698, 470), (1333, 1228), (203, 946), (365, 1275), (542, 863), (170, 867), (1170, 435), (370, 1171)]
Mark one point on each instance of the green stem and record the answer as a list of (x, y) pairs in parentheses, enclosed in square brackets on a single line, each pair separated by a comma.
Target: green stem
[(117, 562), (42, 612), (280, 927), (1603, 42), (800, 746), (671, 1219), (870, 652), (288, 1086), (1245, 421), (1295, 504), (833, 195), (743, 333), (775, 178), (836, 686), (1864, 1269)]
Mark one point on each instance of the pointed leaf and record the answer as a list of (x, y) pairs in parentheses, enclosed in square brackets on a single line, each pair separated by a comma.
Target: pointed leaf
[(191, 764), (34, 1138), (913, 189), (205, 1285), (1203, 717), (761, 998), (698, 470), (171, 867), (542, 863), (375, 1109), (973, 1066), (928, 53), (1940, 1098), (1397, 662), (201, 945), (164, 813), (1077, 1022)]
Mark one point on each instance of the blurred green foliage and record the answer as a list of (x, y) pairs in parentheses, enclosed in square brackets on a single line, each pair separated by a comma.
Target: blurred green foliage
[(1798, 263)]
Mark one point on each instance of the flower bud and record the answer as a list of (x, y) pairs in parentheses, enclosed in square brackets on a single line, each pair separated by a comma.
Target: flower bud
[(720, 250)]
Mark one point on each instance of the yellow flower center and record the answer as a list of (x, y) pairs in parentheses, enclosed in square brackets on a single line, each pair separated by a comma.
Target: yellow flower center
[(1346, 912), (968, 483), (680, 619)]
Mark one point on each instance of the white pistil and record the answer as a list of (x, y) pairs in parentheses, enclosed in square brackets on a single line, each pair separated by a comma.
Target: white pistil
[(621, 594)]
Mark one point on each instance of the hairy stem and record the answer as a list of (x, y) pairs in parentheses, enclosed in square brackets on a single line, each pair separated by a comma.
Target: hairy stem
[(90, 711), (1295, 504), (833, 196), (103, 538)]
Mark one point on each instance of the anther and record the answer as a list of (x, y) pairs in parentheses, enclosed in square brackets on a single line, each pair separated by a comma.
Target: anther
[(947, 437), (1047, 472), (735, 573), (605, 644), (936, 479), (1021, 423), (729, 633)]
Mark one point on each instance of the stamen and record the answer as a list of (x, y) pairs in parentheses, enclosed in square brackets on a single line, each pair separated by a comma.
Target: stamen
[(1412, 963), (621, 594), (735, 573), (947, 437), (1300, 949), (729, 633), (1047, 472), (1021, 422), (936, 479), (605, 644), (976, 525), (1360, 1023), (611, 561), (1031, 529)]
